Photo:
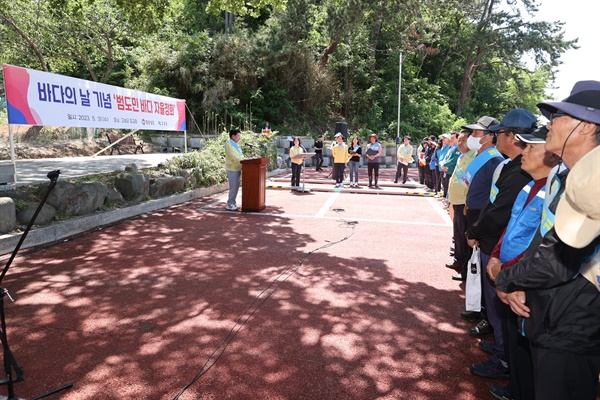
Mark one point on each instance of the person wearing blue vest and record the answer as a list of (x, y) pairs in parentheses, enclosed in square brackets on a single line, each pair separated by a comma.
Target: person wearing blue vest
[(560, 308), (233, 167), (524, 220), (373, 152), (441, 154), (448, 163), (507, 182)]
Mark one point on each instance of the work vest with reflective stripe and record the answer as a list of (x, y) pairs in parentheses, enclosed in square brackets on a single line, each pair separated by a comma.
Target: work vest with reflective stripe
[(524, 221)]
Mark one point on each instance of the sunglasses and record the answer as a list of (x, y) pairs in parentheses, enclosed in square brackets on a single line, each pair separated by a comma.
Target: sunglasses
[(557, 115)]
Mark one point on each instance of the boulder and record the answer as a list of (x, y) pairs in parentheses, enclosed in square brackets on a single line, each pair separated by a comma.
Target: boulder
[(77, 199), (165, 186), (44, 217), (133, 185), (113, 197), (8, 216)]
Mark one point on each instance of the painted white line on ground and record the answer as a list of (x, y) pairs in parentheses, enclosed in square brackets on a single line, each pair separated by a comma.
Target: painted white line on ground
[(327, 205), (385, 221), (436, 206)]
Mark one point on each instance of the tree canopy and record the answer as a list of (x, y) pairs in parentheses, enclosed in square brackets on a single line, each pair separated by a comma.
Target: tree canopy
[(301, 65)]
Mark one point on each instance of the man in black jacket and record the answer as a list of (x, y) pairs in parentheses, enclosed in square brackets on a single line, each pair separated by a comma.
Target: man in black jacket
[(560, 308), (492, 221)]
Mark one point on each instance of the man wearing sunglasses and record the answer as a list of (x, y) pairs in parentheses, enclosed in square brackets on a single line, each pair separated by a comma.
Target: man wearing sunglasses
[(560, 308)]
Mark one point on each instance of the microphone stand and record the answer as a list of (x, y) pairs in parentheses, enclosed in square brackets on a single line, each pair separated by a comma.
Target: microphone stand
[(9, 359)]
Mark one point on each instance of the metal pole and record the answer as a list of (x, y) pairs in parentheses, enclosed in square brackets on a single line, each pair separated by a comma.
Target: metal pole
[(399, 92)]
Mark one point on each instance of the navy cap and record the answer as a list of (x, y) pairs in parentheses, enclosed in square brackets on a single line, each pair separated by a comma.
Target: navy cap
[(517, 118)]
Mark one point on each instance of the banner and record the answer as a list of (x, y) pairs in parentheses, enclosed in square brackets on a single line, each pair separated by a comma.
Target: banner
[(41, 98)]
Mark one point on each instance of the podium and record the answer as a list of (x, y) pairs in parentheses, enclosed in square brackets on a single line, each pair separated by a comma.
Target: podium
[(254, 178), (303, 156)]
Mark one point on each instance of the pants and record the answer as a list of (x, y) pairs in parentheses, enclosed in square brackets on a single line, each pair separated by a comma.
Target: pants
[(234, 186), (296, 169), (428, 177), (434, 180), (373, 170), (462, 251), (493, 306), (562, 375), (338, 172), (319, 160), (401, 169), (288, 161), (354, 171), (421, 174), (445, 183), (516, 346)]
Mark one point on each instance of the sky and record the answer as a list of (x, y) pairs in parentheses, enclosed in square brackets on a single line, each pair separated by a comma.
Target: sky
[(581, 19)]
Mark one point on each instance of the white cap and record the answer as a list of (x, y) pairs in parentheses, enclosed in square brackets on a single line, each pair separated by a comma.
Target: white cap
[(577, 220)]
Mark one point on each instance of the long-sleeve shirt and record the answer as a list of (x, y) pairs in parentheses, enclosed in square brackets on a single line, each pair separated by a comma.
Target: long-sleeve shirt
[(294, 151), (340, 153), (233, 156)]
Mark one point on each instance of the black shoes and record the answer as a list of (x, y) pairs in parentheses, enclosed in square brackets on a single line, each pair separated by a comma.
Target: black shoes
[(488, 347), (492, 368), (482, 329), (471, 315), (500, 392)]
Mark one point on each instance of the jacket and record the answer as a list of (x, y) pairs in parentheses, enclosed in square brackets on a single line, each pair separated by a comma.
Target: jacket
[(564, 306), (494, 215)]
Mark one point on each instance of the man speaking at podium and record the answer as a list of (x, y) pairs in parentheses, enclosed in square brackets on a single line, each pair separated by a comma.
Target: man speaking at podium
[(233, 167)]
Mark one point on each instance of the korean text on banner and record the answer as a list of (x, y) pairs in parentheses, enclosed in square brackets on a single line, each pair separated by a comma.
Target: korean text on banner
[(42, 98)]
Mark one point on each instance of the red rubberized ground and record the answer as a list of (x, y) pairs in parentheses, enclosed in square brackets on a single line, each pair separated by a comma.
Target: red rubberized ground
[(134, 311)]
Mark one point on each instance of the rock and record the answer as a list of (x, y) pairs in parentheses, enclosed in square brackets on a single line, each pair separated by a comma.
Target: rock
[(133, 185), (165, 186), (8, 216), (77, 199), (113, 197), (189, 176), (44, 217)]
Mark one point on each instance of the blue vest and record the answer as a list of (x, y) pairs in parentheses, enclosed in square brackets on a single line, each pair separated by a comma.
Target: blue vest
[(494, 189), (554, 186), (523, 224), (479, 162)]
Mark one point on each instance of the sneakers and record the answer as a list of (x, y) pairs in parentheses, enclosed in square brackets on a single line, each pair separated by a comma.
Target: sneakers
[(492, 368), (488, 347), (231, 208), (500, 392)]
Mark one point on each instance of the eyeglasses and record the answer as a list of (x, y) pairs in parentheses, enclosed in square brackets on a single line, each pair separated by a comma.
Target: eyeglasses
[(557, 115)]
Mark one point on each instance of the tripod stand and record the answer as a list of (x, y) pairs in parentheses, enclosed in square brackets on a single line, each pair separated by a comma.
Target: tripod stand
[(9, 359)]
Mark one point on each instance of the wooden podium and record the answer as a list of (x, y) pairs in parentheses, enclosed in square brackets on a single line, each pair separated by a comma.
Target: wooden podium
[(254, 178)]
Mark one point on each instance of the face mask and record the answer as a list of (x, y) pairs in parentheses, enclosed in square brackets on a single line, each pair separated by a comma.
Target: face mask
[(474, 143)]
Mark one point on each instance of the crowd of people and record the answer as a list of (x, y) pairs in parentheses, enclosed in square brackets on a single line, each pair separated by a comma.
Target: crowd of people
[(525, 204)]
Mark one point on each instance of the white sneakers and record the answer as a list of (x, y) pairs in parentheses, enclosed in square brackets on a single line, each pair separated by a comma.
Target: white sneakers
[(231, 208)]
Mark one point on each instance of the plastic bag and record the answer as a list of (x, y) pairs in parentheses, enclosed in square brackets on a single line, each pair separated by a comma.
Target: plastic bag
[(473, 285)]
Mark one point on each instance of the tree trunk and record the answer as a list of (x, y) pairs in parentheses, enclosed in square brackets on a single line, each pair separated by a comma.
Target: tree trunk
[(465, 88), (374, 40), (325, 56)]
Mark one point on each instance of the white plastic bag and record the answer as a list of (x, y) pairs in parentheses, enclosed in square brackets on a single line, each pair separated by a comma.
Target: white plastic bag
[(473, 285)]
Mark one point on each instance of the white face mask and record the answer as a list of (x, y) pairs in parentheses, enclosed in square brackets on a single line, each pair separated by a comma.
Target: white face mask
[(474, 143)]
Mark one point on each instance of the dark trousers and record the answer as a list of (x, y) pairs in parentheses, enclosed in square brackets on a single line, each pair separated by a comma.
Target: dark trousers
[(445, 183), (428, 177), (373, 171), (421, 174), (296, 169), (493, 306), (516, 346), (462, 251), (562, 375), (434, 180), (338, 172), (401, 169), (319, 160)]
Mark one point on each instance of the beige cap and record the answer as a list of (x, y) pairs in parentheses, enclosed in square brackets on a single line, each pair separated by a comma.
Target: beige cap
[(339, 134), (577, 220)]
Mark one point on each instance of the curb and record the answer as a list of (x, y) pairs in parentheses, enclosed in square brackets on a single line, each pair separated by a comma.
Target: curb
[(73, 226)]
